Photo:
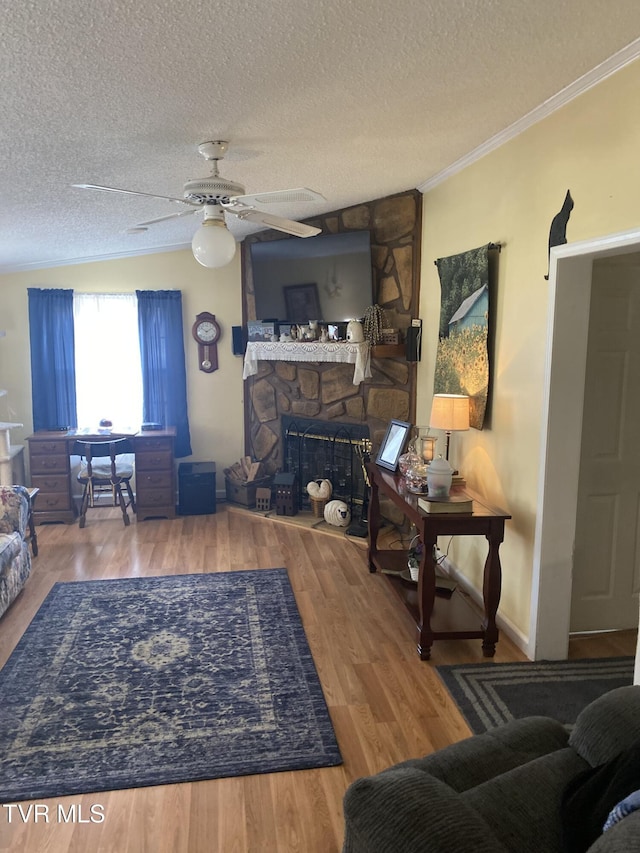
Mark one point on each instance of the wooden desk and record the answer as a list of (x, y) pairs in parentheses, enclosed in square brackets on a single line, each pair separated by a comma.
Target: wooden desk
[(439, 619), (49, 458)]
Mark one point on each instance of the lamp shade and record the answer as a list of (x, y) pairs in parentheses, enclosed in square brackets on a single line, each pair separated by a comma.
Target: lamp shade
[(449, 412), (213, 245)]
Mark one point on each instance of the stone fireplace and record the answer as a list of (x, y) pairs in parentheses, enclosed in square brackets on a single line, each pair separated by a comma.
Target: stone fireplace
[(325, 392)]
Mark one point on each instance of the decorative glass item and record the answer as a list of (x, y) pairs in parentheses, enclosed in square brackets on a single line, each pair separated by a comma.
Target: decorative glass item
[(424, 444), (439, 478), (407, 460), (416, 477)]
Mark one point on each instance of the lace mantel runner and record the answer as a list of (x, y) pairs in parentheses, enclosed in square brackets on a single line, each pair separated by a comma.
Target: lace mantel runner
[(338, 351)]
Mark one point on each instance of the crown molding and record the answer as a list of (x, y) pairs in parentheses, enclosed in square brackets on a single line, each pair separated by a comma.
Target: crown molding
[(46, 265), (614, 63)]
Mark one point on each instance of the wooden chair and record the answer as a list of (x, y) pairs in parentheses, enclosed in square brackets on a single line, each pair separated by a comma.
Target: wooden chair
[(112, 471)]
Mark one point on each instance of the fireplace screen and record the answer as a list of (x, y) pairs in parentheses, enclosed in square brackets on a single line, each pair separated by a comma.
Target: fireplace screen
[(324, 450)]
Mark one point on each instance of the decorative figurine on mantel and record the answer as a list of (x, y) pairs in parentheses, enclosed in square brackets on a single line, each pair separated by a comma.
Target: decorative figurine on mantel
[(355, 335)]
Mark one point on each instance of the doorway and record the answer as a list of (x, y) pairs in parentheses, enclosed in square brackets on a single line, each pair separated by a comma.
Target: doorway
[(566, 364), (605, 560)]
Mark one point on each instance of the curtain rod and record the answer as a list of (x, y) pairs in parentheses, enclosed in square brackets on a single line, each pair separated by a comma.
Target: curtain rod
[(490, 246)]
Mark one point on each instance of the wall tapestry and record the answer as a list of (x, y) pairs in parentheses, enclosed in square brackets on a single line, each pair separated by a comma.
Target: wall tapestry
[(462, 361)]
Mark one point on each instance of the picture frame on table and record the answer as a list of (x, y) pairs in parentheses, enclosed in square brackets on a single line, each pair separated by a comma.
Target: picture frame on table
[(393, 444)]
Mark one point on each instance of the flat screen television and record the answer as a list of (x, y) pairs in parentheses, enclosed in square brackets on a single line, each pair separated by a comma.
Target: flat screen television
[(326, 278)]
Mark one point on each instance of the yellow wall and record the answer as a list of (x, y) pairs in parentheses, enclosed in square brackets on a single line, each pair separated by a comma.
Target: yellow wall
[(215, 400), (592, 147)]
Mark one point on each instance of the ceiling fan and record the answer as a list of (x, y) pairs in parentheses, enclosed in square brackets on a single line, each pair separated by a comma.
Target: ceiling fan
[(213, 245)]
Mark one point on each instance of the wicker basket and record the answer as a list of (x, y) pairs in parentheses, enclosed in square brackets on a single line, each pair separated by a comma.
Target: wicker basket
[(318, 505), (390, 336)]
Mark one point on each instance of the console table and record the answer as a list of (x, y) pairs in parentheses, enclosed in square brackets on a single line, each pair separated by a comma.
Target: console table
[(336, 351), (438, 619)]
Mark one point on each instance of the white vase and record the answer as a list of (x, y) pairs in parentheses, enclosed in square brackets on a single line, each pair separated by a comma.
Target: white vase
[(355, 332), (439, 478)]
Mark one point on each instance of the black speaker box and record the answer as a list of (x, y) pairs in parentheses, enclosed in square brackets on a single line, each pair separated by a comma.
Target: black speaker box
[(238, 342), (196, 488), (414, 343)]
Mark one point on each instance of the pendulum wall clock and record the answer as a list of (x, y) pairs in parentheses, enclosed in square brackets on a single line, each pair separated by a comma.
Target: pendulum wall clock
[(206, 333)]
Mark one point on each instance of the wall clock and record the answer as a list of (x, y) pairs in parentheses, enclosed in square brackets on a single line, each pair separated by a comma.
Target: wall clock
[(206, 333)]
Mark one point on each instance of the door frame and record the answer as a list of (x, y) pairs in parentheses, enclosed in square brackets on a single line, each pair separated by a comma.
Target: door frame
[(561, 428)]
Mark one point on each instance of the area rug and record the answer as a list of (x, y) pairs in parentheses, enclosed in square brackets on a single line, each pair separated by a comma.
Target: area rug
[(148, 681), (493, 693)]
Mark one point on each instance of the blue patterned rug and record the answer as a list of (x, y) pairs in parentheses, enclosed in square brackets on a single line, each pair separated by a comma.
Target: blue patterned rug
[(147, 681), (490, 694)]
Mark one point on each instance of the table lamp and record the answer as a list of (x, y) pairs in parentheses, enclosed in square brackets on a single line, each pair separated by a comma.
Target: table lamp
[(449, 412)]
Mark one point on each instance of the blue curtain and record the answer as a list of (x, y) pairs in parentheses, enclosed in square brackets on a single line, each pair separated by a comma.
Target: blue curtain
[(164, 376), (53, 372)]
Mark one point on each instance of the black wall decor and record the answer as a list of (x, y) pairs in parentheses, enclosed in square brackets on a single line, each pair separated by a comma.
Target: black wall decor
[(558, 230)]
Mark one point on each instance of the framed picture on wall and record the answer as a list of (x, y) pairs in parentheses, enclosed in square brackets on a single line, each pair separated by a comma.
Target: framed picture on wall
[(393, 444), (302, 302)]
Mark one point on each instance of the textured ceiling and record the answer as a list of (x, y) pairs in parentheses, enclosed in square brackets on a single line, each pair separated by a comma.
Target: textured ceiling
[(357, 99)]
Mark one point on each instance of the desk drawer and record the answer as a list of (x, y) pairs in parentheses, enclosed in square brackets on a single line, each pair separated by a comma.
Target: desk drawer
[(51, 463), (51, 483), (52, 502), (155, 476), (47, 448), (148, 498), (154, 460), (157, 443), (154, 479)]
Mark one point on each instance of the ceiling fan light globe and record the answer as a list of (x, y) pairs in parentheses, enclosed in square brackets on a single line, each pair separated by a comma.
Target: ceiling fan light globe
[(213, 245)]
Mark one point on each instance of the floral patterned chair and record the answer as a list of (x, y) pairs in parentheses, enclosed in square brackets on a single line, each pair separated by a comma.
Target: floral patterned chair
[(15, 560)]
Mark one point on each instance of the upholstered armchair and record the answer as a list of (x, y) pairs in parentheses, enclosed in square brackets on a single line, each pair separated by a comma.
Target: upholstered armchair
[(529, 786), (15, 560)]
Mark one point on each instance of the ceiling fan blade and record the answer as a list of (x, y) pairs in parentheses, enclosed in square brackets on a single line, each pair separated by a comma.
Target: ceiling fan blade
[(134, 192), (299, 194), (169, 216), (297, 229)]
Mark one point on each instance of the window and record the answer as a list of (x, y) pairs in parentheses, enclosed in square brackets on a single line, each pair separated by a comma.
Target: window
[(107, 359), (130, 360)]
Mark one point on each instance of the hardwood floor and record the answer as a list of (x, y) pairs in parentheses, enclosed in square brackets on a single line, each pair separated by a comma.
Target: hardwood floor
[(386, 705)]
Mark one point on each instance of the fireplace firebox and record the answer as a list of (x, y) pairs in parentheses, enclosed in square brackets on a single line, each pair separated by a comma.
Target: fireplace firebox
[(327, 450)]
